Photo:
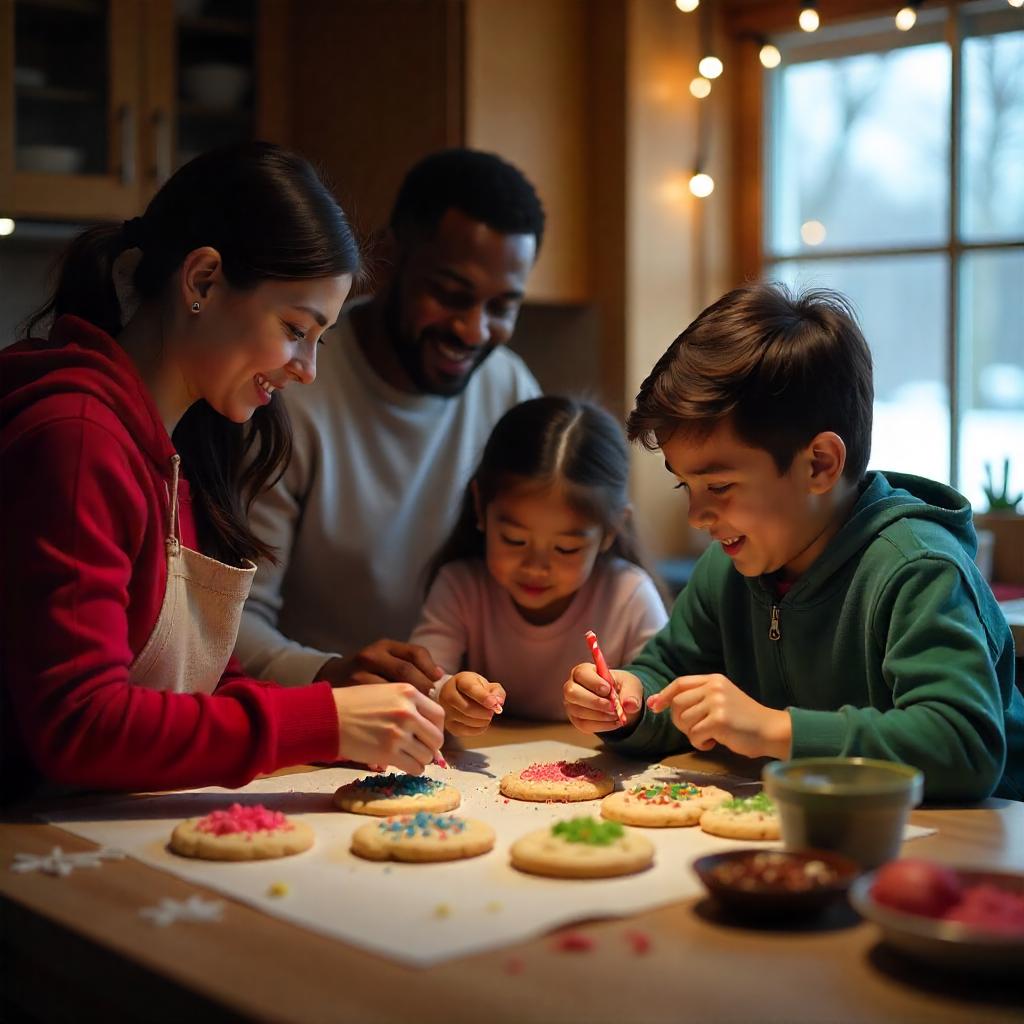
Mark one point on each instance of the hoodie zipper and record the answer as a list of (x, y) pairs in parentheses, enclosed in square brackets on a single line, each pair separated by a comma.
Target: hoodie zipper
[(773, 629)]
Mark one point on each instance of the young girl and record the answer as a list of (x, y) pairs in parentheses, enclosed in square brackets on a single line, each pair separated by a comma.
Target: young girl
[(116, 636), (543, 551)]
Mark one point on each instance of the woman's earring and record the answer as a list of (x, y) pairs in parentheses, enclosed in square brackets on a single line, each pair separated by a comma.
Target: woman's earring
[(195, 306)]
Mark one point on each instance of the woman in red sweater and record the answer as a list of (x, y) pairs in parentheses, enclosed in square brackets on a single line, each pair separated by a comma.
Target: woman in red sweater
[(130, 444)]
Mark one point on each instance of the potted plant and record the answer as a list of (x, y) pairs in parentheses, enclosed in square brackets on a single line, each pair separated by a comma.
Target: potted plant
[(1004, 520)]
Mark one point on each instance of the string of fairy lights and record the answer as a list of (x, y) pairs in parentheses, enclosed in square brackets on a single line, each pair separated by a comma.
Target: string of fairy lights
[(710, 67)]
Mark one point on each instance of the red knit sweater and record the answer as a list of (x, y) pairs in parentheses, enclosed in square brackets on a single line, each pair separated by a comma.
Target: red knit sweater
[(84, 471)]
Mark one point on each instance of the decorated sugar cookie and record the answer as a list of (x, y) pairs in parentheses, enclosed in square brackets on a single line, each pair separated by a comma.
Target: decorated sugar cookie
[(242, 832), (422, 837), (751, 817), (582, 848), (560, 781), (395, 793), (662, 805)]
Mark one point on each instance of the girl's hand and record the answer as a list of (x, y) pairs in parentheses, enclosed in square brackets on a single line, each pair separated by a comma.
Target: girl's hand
[(470, 702), (384, 661), (712, 709), (588, 703), (388, 723)]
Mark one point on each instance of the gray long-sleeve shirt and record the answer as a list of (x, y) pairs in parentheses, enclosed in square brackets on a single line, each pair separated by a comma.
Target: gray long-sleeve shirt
[(373, 488)]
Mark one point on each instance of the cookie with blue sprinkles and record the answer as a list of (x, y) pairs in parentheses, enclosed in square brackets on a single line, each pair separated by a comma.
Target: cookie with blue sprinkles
[(395, 793), (422, 837)]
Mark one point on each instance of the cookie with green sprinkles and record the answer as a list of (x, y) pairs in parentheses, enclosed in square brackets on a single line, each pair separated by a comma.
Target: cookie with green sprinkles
[(396, 793), (750, 817), (582, 848), (661, 804)]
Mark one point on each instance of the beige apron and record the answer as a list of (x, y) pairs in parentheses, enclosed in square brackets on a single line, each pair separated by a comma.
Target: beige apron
[(195, 632)]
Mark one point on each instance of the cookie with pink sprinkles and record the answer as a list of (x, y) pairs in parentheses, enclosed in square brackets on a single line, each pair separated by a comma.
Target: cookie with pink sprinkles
[(242, 832), (557, 782), (395, 793)]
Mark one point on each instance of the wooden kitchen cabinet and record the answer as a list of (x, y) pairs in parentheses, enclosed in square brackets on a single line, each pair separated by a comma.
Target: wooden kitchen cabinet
[(101, 100)]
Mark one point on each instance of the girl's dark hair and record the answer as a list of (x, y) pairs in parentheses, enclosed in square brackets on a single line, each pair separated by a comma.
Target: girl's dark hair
[(269, 215), (544, 441)]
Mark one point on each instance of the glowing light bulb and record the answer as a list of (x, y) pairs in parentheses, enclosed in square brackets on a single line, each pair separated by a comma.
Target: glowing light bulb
[(710, 67), (1016, 3), (6, 226), (686, 6), (700, 87), (812, 232), (906, 19), (809, 20), (702, 185), (770, 56)]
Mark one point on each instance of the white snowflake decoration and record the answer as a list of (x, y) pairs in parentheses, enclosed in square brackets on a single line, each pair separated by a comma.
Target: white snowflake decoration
[(195, 908), (59, 863)]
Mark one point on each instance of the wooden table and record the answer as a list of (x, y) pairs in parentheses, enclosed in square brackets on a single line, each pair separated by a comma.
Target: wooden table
[(75, 948)]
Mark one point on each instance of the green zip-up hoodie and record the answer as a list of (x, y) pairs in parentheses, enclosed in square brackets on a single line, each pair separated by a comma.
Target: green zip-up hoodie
[(891, 645)]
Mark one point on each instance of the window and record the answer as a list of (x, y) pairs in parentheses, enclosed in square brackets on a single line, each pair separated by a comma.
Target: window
[(894, 173)]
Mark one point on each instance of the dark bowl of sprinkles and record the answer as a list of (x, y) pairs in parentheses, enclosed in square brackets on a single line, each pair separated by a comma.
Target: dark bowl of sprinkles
[(776, 883)]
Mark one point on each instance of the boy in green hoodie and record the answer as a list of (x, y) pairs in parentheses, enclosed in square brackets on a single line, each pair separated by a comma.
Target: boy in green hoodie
[(840, 612)]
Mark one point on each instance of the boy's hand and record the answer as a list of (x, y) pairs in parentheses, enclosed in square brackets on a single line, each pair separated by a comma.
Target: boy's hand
[(588, 703), (712, 709), (470, 702)]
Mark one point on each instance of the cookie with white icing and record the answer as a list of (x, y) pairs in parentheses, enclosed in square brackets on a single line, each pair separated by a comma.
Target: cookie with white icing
[(582, 848), (241, 832), (662, 804), (395, 793), (558, 781), (422, 837)]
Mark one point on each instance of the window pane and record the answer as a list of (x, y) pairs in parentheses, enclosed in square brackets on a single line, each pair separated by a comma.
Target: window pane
[(860, 146), (902, 311), (992, 370), (993, 136)]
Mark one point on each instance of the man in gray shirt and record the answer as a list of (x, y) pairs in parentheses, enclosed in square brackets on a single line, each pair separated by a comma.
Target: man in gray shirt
[(408, 388)]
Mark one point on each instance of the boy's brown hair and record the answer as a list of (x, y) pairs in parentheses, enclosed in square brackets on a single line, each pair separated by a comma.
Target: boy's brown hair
[(780, 367)]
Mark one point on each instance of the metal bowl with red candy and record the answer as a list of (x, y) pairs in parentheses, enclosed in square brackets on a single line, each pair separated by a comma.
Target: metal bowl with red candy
[(956, 917)]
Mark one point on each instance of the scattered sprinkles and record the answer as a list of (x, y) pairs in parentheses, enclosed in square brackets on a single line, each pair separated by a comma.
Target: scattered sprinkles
[(494, 906), (423, 824), (61, 864), (442, 910), (574, 942), (640, 942), (671, 793), (589, 831), (249, 819), (394, 785), (195, 908), (762, 802), (514, 965), (561, 771), (278, 889)]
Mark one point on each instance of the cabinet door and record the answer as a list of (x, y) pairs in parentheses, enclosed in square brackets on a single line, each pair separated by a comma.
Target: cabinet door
[(69, 113)]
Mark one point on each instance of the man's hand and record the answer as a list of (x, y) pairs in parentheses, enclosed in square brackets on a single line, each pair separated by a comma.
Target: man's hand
[(384, 661), (712, 709), (588, 703)]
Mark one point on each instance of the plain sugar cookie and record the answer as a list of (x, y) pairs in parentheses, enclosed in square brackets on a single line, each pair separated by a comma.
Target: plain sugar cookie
[(662, 805), (242, 832), (582, 848), (422, 837), (560, 781), (394, 793)]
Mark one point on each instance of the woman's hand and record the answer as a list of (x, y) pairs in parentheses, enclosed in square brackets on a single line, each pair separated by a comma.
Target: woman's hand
[(470, 702), (388, 724), (588, 702)]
